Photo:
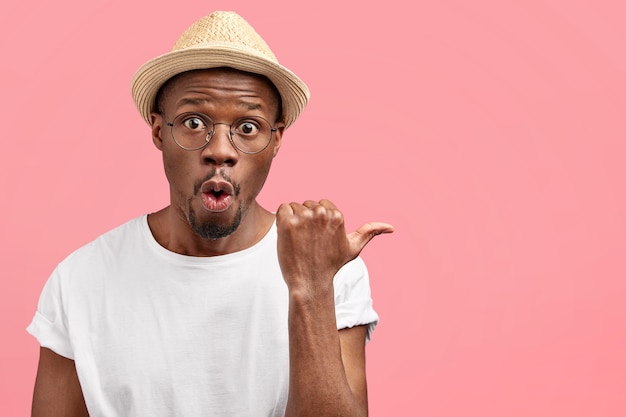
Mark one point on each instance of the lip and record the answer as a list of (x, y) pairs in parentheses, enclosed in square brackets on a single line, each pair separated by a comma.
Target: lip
[(217, 195), (215, 185)]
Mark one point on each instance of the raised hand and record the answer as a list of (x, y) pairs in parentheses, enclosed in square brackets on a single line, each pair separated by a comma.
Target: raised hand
[(313, 244)]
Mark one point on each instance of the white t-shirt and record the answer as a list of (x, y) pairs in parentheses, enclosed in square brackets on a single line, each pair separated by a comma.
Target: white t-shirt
[(155, 333)]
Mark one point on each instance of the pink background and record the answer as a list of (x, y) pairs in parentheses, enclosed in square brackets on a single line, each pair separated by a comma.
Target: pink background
[(490, 133)]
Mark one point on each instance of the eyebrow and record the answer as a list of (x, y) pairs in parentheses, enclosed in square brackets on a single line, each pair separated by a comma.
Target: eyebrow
[(251, 106), (192, 101)]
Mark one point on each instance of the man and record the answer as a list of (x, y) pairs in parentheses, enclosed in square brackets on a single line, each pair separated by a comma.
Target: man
[(212, 306)]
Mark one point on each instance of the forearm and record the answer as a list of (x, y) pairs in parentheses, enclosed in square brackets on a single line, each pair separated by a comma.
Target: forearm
[(318, 382), (327, 369)]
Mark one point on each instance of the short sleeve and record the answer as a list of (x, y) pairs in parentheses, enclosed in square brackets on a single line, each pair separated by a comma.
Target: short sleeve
[(353, 300), (49, 325)]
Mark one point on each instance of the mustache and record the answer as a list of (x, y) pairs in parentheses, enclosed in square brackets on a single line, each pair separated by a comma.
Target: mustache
[(222, 173)]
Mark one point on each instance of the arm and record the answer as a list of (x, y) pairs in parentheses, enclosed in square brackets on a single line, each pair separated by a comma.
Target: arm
[(57, 390), (327, 367)]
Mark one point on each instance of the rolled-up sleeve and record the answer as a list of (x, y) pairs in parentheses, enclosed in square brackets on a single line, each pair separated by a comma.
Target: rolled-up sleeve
[(353, 300), (49, 325)]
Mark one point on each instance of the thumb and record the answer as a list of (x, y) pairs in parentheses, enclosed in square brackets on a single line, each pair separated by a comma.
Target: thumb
[(361, 237)]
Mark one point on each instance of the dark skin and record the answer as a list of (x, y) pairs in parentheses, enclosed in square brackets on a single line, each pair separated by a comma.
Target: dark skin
[(57, 390), (327, 366)]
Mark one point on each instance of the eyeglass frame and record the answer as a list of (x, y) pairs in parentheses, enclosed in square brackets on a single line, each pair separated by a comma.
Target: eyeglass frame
[(212, 132)]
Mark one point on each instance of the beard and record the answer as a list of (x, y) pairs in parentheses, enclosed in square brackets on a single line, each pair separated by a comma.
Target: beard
[(213, 230)]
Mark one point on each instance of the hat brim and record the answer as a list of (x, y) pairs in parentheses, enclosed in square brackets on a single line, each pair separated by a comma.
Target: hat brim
[(154, 73)]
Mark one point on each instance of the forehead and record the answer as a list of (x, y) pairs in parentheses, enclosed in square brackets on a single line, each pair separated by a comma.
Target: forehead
[(219, 80)]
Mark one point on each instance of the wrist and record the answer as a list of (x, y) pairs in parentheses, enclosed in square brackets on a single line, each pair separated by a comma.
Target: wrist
[(311, 293)]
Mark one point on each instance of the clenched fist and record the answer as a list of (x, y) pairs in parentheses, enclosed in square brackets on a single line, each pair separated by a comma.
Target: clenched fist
[(313, 244)]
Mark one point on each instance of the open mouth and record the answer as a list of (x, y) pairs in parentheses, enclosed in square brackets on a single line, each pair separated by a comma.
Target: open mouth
[(217, 195)]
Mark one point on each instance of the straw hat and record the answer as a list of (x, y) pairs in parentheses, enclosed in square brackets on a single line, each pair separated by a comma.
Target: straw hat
[(221, 39)]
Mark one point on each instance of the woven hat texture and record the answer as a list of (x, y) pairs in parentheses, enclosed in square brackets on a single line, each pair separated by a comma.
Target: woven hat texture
[(221, 39)]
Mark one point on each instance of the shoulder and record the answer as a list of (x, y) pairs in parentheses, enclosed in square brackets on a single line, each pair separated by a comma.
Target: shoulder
[(352, 279), (354, 270), (109, 244)]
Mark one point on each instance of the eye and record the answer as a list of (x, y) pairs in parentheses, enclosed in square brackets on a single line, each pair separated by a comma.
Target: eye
[(194, 123), (247, 127)]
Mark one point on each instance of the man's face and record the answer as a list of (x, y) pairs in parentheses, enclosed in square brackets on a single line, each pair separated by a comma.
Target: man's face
[(213, 188)]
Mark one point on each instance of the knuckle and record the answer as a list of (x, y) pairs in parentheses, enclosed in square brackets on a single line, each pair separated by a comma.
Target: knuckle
[(294, 221), (282, 208), (320, 210), (336, 216)]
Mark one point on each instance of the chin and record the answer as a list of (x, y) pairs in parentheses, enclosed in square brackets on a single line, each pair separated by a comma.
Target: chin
[(214, 229)]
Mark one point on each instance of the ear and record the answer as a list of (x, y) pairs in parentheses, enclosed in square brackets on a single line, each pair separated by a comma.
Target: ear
[(156, 120), (278, 136)]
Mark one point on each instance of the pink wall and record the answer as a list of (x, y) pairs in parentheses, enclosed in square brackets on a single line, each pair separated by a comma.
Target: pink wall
[(492, 134)]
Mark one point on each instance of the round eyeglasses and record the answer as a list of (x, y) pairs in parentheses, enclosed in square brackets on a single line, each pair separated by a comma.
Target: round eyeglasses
[(193, 131)]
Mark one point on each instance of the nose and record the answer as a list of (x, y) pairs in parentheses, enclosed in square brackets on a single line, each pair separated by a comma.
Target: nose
[(220, 150)]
